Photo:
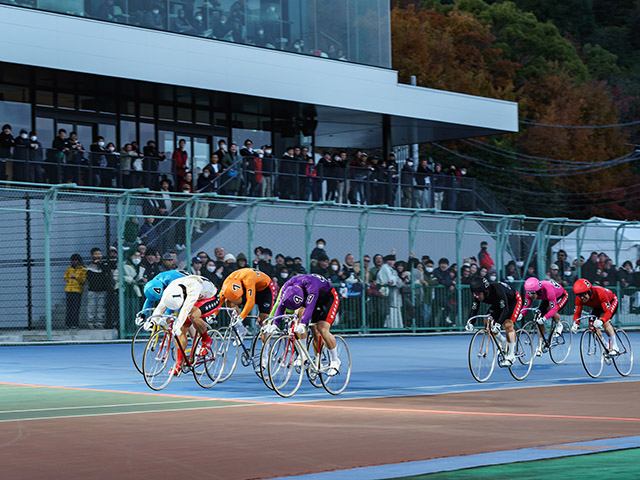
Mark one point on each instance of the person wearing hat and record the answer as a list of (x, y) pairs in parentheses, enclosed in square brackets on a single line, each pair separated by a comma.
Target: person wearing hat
[(391, 283), (74, 278), (241, 260), (229, 264), (196, 266), (554, 274), (169, 262)]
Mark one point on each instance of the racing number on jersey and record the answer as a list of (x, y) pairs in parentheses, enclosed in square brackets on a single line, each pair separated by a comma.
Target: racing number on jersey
[(554, 283), (249, 292), (608, 305), (257, 272), (235, 287), (310, 298), (508, 287), (320, 277)]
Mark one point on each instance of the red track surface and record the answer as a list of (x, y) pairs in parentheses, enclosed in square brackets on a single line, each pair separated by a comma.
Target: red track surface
[(264, 441)]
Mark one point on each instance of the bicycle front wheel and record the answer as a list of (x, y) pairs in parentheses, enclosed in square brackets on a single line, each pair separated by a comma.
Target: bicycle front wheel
[(229, 349), (624, 360), (138, 342), (335, 384), (560, 344), (158, 360), (285, 366), (531, 327), (524, 356), (482, 355), (591, 353), (208, 368)]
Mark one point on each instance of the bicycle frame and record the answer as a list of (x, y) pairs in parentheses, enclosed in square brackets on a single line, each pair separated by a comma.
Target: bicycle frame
[(233, 325)]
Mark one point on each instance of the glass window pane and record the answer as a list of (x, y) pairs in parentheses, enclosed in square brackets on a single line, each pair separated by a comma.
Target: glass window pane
[(12, 93), (146, 110), (184, 115), (203, 117), (127, 107), (147, 132), (16, 114), (85, 135), (165, 112), (166, 142), (201, 155), (127, 132), (66, 100), (87, 103), (44, 98), (108, 132), (44, 131)]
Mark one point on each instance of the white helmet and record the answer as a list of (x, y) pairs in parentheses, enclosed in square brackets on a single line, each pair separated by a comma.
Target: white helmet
[(174, 296)]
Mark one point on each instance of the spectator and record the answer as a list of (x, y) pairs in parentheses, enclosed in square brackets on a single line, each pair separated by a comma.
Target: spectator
[(442, 272), (98, 282), (7, 142), (75, 157), (151, 164), (268, 171), (279, 263), (199, 26), (287, 178), (625, 275), (589, 269), (196, 266), (35, 172), (241, 260), (180, 160), (609, 274), (336, 275), (215, 168), (358, 173), (423, 182), (150, 265), (60, 149), (313, 186), (20, 153), (132, 279), (407, 175), (229, 265), (169, 262), (149, 234), (322, 267), (438, 181), (408, 308), (110, 12), (465, 275), (484, 258), (127, 157), (326, 167), (219, 254), (112, 313), (74, 277), (232, 172), (391, 283), (222, 149), (298, 268), (100, 176), (282, 277), (187, 183), (453, 182), (376, 182), (319, 250), (510, 272), (181, 24), (554, 273), (349, 268)]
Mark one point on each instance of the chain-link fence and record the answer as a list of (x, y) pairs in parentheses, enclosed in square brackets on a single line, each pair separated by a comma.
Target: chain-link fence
[(76, 259)]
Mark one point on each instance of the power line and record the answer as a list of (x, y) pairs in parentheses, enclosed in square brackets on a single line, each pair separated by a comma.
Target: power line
[(581, 127)]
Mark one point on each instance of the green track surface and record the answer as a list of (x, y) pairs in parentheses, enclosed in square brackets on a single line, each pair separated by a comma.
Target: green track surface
[(619, 464), (27, 402)]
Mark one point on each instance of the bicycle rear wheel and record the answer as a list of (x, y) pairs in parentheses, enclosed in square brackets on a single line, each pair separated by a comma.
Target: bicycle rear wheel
[(229, 349), (624, 360), (158, 360), (335, 384), (524, 356), (482, 355), (531, 327), (591, 353), (264, 359), (138, 342), (285, 366), (560, 345), (256, 352), (208, 368), (313, 372)]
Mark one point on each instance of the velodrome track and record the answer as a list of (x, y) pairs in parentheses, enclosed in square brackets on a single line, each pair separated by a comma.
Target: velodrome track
[(412, 407)]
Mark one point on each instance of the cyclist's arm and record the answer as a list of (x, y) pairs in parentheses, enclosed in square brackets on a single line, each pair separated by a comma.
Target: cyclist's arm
[(147, 304), (250, 292), (189, 302), (310, 304), (578, 311), (609, 307), (503, 303), (527, 300), (475, 306)]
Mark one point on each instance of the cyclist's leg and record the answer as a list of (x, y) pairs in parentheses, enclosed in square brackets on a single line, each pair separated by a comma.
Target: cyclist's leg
[(613, 342)]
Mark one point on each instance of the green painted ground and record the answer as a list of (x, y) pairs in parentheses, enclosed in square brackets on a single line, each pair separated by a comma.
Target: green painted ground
[(22, 403), (620, 464)]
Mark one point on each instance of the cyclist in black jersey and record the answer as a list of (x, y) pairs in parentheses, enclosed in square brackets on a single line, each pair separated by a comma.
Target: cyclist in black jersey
[(505, 308)]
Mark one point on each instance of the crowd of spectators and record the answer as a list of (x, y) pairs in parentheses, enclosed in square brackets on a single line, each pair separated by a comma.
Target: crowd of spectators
[(231, 21), (358, 179)]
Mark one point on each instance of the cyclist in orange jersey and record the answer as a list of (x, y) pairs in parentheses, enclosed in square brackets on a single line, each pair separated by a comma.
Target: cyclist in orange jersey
[(249, 287)]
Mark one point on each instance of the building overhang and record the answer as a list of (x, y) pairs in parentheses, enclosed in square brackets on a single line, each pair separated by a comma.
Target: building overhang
[(348, 100)]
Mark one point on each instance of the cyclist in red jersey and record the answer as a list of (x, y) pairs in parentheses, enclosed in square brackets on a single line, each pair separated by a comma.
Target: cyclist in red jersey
[(603, 303)]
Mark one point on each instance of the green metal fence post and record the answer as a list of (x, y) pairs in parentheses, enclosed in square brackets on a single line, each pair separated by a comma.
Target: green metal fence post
[(461, 222), (618, 246), (252, 220), (309, 222), (582, 231), (47, 212), (191, 212), (124, 201), (502, 240), (363, 225), (414, 220), (542, 239)]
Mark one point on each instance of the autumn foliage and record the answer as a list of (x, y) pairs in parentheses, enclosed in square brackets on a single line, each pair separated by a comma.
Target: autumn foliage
[(476, 48)]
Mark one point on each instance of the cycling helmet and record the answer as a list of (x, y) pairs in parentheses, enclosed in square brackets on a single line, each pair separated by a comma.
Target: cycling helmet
[(174, 296), (293, 297), (232, 291), (532, 285), (153, 290), (581, 286), (479, 285)]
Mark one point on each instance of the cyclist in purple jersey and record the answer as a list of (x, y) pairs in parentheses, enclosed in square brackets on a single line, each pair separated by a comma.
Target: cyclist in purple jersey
[(316, 302)]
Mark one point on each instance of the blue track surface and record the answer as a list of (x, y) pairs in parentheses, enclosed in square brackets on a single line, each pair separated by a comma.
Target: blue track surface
[(382, 366)]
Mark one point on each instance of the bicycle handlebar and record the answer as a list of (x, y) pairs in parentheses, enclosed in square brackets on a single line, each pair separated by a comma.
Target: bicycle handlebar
[(160, 320), (142, 315)]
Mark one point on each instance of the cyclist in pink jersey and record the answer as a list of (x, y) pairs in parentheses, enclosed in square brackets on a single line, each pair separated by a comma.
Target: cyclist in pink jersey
[(553, 297)]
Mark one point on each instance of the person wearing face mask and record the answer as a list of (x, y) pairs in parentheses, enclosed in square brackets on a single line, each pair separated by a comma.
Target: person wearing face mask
[(21, 154), (407, 180), (6, 144), (283, 276), (35, 172), (132, 280), (336, 275), (268, 169), (182, 24), (200, 27), (261, 38), (100, 175), (319, 250)]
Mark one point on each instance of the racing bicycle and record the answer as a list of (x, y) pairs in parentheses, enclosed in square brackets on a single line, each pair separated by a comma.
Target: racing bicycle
[(557, 344), (594, 353)]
